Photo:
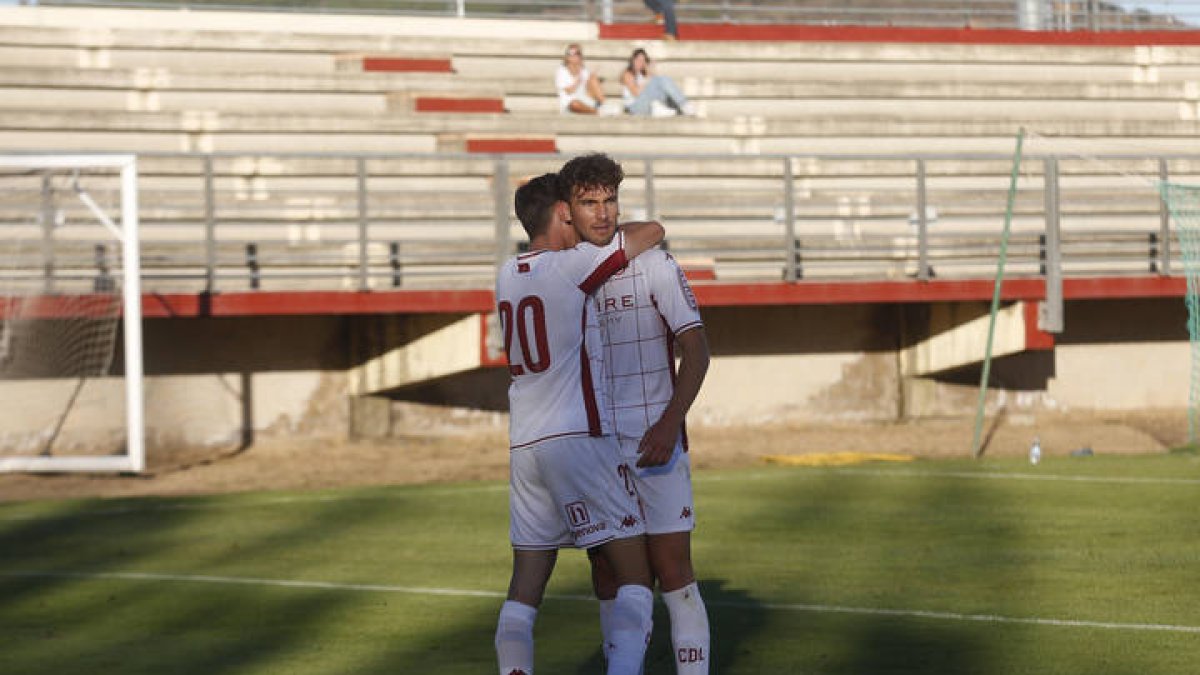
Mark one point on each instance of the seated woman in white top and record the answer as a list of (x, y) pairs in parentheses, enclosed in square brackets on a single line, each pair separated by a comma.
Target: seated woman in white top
[(641, 88), (578, 88)]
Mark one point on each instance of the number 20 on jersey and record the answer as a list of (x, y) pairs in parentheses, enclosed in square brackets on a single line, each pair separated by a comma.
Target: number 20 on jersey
[(529, 317)]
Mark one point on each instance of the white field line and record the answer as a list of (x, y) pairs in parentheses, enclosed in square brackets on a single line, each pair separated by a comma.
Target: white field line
[(992, 475), (467, 593)]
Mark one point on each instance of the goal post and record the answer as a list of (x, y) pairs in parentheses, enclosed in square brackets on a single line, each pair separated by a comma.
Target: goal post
[(61, 303)]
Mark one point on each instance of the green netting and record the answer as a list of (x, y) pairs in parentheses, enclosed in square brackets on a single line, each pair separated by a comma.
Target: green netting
[(1183, 201)]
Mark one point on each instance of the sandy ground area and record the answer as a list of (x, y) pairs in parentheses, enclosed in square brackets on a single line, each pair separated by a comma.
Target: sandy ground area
[(438, 445)]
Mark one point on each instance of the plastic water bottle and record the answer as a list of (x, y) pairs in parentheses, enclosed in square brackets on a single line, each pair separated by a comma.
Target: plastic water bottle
[(1035, 451)]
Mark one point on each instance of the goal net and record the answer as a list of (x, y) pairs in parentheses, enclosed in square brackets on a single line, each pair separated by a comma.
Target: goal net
[(70, 314), (1183, 202)]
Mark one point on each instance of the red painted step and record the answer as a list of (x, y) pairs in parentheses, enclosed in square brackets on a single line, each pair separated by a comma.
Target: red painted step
[(464, 104), (810, 33), (507, 145), (406, 64)]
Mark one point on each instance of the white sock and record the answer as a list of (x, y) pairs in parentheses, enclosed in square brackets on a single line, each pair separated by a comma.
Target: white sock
[(606, 643), (689, 630), (514, 638), (632, 620)]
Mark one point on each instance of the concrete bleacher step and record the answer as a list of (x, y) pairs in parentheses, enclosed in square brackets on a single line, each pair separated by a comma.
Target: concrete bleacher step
[(264, 31), (102, 47), (167, 79), (747, 127), (152, 90), (207, 131), (509, 66), (174, 141), (135, 100)]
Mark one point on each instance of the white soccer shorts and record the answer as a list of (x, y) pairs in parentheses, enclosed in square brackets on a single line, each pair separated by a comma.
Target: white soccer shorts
[(571, 492), (665, 491)]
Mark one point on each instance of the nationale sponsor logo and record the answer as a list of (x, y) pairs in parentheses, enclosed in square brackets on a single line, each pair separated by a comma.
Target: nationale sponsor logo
[(581, 532), (577, 514)]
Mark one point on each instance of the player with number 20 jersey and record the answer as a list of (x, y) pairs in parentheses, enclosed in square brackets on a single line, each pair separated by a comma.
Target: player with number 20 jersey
[(567, 483), (552, 335)]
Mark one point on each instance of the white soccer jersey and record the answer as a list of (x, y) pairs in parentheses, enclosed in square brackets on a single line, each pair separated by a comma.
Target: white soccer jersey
[(552, 341), (642, 308)]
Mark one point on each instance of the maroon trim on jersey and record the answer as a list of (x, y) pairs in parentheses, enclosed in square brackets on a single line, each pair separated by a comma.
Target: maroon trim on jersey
[(611, 265), (529, 254), (669, 338), (585, 377)]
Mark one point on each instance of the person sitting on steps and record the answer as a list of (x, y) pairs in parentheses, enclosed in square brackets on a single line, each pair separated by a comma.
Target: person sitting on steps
[(641, 89), (578, 88)]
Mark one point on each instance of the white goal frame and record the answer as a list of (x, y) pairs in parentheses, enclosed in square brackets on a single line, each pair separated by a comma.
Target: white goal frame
[(127, 232)]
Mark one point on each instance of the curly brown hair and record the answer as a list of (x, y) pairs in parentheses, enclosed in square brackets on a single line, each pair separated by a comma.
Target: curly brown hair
[(589, 171)]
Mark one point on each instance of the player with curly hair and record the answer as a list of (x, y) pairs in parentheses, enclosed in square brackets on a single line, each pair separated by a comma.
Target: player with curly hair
[(646, 310)]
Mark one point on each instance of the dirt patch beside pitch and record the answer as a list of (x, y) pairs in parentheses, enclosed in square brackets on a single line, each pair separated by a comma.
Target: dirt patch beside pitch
[(442, 445)]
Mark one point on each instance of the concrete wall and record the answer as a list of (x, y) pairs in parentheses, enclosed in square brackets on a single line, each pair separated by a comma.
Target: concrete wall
[(1123, 355), (222, 381), (208, 382), (774, 363)]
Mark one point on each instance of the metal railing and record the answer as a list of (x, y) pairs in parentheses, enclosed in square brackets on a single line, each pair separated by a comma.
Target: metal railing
[(304, 222), (1094, 15)]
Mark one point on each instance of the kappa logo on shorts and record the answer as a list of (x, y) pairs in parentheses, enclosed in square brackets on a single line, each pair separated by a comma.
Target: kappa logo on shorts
[(577, 514), (517, 671), (686, 513), (629, 521)]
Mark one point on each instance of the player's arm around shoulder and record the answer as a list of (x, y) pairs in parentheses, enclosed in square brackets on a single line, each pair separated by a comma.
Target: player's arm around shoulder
[(641, 236)]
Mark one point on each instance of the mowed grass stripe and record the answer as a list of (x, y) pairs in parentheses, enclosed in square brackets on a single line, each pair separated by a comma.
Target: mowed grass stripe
[(462, 592), (837, 571), (245, 501)]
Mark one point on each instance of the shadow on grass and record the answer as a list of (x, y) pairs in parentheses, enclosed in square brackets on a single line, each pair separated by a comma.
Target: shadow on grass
[(833, 552), (799, 569), (72, 602), (733, 616)]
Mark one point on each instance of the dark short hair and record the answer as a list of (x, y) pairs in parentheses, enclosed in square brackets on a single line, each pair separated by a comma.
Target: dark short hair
[(589, 171), (534, 203)]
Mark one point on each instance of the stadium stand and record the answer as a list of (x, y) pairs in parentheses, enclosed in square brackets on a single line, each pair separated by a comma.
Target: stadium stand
[(176, 87), (239, 90), (338, 156)]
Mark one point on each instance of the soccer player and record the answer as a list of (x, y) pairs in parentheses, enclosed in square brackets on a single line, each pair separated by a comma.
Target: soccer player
[(645, 310), (568, 486)]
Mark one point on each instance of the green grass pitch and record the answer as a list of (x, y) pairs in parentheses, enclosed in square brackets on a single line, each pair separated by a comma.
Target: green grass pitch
[(1078, 565)]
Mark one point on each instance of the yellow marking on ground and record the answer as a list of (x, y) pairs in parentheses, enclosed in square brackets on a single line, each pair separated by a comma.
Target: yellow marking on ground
[(836, 458)]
